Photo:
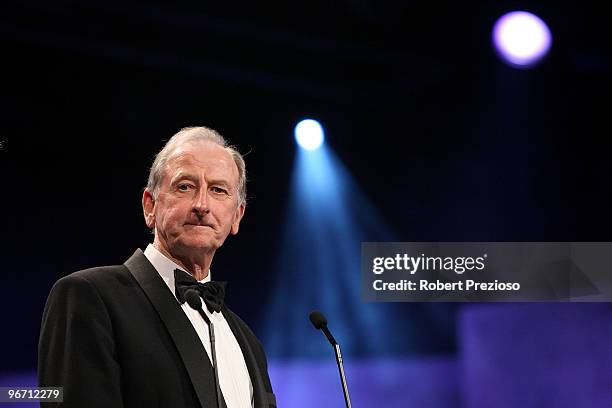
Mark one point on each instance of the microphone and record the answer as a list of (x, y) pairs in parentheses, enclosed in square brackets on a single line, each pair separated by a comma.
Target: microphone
[(320, 323), (192, 297), (317, 319)]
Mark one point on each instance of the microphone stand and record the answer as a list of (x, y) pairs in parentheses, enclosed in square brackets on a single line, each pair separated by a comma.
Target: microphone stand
[(336, 346), (196, 304), (211, 333)]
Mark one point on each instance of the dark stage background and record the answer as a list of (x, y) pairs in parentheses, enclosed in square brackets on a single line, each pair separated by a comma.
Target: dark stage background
[(445, 142)]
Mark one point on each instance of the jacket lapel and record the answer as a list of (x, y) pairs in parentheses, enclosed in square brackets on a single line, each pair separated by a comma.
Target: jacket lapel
[(185, 338), (259, 391)]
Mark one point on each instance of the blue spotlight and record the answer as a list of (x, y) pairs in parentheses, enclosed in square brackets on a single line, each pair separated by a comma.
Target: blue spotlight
[(309, 134)]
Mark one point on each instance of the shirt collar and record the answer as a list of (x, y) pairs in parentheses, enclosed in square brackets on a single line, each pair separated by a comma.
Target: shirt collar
[(165, 267)]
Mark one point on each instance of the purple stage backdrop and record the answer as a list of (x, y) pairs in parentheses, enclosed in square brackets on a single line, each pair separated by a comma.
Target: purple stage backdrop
[(510, 355)]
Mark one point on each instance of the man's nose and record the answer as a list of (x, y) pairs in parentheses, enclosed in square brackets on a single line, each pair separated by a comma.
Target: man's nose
[(200, 204)]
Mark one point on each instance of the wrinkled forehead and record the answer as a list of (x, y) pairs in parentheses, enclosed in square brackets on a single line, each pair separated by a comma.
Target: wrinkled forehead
[(205, 158)]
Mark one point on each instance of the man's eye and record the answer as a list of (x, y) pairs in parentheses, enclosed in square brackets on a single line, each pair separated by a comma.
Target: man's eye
[(184, 187), (218, 190)]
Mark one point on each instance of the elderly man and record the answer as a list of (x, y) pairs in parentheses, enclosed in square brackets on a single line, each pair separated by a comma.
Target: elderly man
[(130, 335)]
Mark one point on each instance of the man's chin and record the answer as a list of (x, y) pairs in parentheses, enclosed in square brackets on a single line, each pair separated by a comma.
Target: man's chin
[(197, 245)]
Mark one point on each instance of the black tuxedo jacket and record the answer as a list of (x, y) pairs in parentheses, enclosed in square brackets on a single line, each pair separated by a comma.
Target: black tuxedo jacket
[(115, 336)]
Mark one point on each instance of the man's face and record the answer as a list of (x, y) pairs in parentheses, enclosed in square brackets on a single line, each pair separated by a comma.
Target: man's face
[(198, 177)]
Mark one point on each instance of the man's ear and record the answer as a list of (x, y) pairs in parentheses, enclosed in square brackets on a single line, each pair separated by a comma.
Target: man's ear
[(237, 217), (148, 208)]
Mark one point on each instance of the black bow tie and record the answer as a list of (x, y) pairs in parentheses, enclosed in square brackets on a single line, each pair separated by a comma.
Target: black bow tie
[(212, 292)]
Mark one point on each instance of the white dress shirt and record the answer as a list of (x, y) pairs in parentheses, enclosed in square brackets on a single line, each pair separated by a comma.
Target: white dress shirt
[(234, 377)]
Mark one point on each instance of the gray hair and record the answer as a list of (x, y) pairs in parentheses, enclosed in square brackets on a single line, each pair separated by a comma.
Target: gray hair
[(191, 135)]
